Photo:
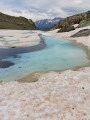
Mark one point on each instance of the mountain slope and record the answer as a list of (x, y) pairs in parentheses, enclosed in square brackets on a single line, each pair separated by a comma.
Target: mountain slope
[(47, 23), (75, 19), (19, 23)]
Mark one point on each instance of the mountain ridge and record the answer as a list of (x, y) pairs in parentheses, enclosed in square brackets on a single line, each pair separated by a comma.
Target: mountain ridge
[(47, 23), (71, 20), (18, 23)]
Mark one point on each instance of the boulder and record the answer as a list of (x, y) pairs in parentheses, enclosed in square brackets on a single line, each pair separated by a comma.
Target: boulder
[(67, 28), (84, 23), (81, 33)]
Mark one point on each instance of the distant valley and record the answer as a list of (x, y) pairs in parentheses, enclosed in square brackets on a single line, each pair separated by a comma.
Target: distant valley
[(47, 23)]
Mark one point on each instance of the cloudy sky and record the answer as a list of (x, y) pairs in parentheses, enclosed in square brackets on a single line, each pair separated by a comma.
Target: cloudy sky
[(41, 9)]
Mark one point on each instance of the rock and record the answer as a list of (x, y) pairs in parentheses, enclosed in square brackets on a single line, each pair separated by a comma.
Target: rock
[(13, 47), (67, 28), (82, 87), (81, 33), (84, 23)]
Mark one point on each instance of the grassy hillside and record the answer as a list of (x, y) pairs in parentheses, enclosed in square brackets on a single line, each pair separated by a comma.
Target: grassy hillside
[(75, 19), (19, 23)]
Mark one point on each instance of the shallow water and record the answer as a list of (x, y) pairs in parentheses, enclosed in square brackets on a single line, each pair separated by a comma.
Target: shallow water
[(57, 54)]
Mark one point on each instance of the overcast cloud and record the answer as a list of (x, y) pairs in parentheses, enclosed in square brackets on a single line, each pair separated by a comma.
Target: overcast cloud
[(41, 9)]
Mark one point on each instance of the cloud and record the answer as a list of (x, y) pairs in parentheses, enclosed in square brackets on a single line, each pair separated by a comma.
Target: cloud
[(40, 9), (17, 11)]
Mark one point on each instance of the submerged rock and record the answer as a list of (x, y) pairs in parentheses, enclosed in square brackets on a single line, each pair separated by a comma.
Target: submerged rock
[(5, 64)]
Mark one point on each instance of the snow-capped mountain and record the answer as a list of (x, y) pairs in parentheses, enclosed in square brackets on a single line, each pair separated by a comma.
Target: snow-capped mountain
[(47, 23)]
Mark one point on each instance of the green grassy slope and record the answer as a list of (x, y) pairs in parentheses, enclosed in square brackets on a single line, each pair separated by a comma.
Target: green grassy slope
[(18, 23)]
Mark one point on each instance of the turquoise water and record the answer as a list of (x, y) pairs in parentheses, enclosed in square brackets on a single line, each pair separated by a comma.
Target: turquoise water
[(58, 54)]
